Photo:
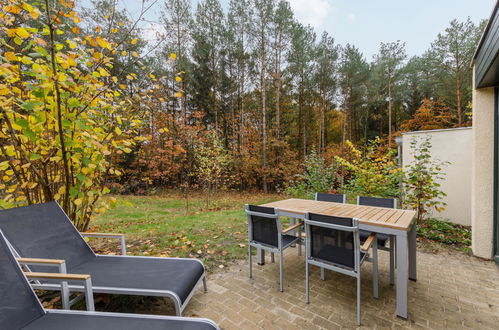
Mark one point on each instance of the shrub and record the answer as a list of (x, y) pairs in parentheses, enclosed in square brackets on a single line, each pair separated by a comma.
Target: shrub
[(421, 177), (373, 172), (317, 177)]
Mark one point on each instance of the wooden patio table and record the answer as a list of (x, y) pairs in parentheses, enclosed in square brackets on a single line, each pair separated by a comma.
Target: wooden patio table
[(397, 222)]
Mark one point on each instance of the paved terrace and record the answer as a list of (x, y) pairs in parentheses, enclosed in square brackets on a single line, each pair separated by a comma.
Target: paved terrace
[(453, 291)]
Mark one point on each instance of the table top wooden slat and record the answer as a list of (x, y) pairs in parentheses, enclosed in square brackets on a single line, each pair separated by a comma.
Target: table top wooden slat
[(369, 215)]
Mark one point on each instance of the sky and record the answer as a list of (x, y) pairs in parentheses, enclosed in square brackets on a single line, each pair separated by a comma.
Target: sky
[(367, 23)]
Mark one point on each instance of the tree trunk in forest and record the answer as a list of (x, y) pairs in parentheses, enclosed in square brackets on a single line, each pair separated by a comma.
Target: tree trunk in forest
[(322, 144), (264, 109), (389, 112), (458, 98), (278, 89)]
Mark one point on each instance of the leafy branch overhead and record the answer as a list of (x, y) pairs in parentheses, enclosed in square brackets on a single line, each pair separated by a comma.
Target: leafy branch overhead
[(62, 111)]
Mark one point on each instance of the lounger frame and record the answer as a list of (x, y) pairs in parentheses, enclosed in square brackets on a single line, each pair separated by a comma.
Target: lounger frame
[(179, 306)]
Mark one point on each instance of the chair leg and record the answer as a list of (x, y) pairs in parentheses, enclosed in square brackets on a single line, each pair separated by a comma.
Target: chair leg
[(250, 263), (358, 299), (281, 272), (375, 269), (392, 260), (299, 242), (323, 274), (307, 280), (272, 257), (205, 286)]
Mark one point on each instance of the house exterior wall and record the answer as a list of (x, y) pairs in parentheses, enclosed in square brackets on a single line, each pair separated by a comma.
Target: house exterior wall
[(453, 146), (482, 173)]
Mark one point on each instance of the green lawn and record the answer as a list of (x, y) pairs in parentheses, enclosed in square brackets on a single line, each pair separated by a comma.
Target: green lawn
[(161, 226)]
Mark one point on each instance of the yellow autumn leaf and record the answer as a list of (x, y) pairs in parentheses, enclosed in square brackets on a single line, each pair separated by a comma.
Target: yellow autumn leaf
[(34, 14), (122, 86), (135, 54), (117, 130), (27, 7), (134, 41), (103, 72), (71, 44), (173, 56), (123, 53), (178, 94), (178, 79), (11, 56), (22, 32), (152, 76), (114, 30), (103, 43)]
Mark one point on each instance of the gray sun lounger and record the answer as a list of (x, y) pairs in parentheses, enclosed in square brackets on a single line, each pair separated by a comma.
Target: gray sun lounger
[(21, 309), (45, 231)]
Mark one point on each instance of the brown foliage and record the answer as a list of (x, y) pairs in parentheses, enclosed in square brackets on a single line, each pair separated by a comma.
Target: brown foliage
[(430, 115)]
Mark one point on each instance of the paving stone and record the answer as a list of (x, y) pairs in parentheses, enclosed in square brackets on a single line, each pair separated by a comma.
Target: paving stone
[(453, 291)]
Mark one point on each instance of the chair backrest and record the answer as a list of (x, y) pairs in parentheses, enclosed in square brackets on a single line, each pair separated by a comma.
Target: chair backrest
[(18, 303), (333, 239), (264, 225), (44, 231), (335, 198), (377, 201)]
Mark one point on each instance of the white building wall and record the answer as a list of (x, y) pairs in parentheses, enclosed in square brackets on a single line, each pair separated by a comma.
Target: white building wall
[(454, 146), (482, 175)]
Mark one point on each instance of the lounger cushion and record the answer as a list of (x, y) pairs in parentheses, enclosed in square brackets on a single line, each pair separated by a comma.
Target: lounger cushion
[(382, 238), (56, 321), (177, 275)]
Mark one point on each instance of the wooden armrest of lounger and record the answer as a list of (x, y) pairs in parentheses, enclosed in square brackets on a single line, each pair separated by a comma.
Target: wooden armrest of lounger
[(368, 242), (57, 276), (108, 235), (87, 285), (40, 261), (292, 227)]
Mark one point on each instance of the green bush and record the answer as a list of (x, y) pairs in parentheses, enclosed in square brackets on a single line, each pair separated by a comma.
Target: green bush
[(317, 177)]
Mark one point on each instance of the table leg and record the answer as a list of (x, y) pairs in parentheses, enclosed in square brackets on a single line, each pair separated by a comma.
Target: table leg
[(260, 256), (402, 273), (292, 222), (412, 253)]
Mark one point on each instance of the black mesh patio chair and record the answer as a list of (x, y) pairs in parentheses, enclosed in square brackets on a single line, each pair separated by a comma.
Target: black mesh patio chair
[(333, 243), (21, 309), (335, 198), (265, 232), (382, 238), (44, 231)]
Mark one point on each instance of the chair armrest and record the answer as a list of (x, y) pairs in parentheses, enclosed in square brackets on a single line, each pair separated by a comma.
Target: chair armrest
[(292, 227), (121, 237), (57, 276), (39, 261), (369, 241), (87, 285), (105, 235)]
